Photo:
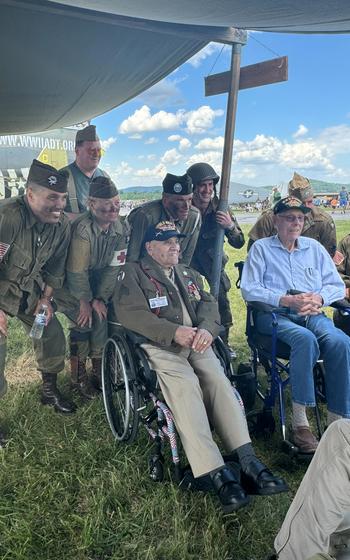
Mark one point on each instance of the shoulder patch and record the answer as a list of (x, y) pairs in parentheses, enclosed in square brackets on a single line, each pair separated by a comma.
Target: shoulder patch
[(4, 247), (338, 258)]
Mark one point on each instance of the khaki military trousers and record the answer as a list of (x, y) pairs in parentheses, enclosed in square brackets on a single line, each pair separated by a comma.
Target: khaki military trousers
[(200, 396), (49, 350), (320, 509)]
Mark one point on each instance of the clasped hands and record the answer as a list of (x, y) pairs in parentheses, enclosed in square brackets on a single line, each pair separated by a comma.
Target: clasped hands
[(307, 303), (192, 337)]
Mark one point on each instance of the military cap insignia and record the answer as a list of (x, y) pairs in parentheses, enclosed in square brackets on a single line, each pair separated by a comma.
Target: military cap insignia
[(52, 180), (177, 187), (291, 201), (165, 226)]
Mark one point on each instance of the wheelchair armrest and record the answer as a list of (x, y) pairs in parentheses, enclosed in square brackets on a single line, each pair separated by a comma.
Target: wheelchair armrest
[(135, 337), (343, 305), (266, 308)]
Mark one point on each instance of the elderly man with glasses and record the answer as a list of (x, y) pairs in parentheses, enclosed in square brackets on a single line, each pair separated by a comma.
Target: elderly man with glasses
[(296, 273)]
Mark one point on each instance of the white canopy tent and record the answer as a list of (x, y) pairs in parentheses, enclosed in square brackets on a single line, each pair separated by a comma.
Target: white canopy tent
[(67, 62)]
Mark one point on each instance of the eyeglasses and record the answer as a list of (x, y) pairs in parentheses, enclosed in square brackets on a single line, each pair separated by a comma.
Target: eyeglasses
[(290, 219)]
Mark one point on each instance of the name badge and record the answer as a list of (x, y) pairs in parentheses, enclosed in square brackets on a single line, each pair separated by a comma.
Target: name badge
[(158, 302)]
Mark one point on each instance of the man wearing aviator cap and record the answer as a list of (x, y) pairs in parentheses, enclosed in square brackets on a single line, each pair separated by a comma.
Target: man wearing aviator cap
[(165, 302)]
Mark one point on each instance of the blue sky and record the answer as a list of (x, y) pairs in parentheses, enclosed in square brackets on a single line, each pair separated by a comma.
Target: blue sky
[(302, 124)]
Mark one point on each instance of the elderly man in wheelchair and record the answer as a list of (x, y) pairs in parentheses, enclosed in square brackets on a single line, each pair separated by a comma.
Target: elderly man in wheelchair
[(296, 275), (165, 303)]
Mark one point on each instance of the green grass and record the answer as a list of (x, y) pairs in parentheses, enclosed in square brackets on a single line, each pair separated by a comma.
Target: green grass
[(69, 492)]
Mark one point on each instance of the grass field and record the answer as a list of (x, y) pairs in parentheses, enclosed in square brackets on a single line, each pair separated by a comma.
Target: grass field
[(68, 492)]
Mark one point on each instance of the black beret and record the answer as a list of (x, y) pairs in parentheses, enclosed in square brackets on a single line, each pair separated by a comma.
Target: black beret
[(47, 176), (87, 134), (102, 187), (177, 184)]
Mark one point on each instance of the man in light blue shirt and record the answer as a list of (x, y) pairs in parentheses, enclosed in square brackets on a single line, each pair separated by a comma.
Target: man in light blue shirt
[(275, 268)]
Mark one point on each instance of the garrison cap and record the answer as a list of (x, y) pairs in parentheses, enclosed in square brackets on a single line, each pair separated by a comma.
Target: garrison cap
[(177, 184), (47, 176), (300, 187), (290, 203), (161, 232), (87, 134), (102, 187)]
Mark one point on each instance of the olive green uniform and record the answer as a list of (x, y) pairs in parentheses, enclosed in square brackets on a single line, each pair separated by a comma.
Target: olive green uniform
[(94, 259), (342, 260), (151, 214), (318, 225), (35, 255), (203, 257), (194, 385)]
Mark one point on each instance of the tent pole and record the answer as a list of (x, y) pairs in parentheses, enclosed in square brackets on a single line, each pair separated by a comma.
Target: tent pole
[(226, 163)]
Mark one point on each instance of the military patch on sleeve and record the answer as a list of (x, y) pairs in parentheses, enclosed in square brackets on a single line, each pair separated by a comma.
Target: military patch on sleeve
[(119, 258), (4, 247), (338, 258)]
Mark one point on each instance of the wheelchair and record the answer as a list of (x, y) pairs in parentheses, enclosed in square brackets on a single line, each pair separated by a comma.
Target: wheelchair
[(273, 355), (131, 397)]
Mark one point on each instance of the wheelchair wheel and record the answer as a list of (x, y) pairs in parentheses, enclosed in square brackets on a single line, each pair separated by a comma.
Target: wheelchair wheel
[(120, 393)]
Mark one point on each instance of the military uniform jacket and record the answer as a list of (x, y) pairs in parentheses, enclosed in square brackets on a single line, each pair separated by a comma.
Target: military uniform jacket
[(154, 212), (33, 254), (203, 257), (343, 260), (94, 258), (318, 225), (138, 287)]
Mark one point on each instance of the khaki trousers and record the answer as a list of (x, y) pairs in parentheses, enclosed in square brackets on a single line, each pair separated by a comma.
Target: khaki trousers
[(199, 395), (322, 502)]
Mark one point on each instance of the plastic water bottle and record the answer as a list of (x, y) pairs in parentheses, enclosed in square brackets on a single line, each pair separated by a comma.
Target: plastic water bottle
[(39, 323)]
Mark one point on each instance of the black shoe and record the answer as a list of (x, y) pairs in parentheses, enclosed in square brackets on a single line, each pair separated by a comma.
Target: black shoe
[(51, 395), (85, 389), (230, 493), (256, 478)]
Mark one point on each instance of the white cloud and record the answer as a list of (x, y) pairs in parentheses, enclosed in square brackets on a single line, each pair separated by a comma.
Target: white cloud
[(184, 144), (171, 157), (174, 137), (108, 143), (201, 119), (165, 92), (152, 140), (211, 143), (143, 121), (200, 56), (197, 121), (302, 130), (135, 136), (155, 173), (212, 157)]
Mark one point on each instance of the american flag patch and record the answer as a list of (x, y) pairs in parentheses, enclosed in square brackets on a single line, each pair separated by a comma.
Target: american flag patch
[(3, 250), (338, 258)]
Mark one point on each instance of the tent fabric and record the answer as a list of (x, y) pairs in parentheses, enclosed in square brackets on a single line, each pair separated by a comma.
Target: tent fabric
[(311, 16), (67, 62)]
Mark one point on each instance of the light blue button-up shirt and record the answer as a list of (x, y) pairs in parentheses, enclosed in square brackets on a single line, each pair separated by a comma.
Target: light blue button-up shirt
[(271, 270)]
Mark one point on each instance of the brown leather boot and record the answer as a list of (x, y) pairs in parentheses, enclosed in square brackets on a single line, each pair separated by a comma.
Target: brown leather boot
[(96, 378), (51, 395), (80, 381)]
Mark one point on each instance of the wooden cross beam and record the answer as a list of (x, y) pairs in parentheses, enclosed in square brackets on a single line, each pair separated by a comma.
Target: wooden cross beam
[(254, 75)]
